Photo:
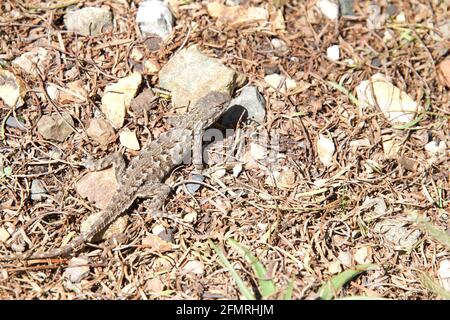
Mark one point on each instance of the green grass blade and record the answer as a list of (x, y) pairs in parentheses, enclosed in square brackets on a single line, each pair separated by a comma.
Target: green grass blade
[(246, 292), (431, 285), (288, 293), (331, 287), (440, 235), (419, 118), (341, 89), (266, 286)]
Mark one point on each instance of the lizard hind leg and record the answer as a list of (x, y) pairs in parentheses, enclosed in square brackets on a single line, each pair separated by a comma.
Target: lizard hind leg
[(155, 195)]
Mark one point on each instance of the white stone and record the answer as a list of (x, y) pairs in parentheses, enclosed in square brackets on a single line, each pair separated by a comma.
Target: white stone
[(129, 140), (78, 269), (195, 267), (12, 89), (118, 96), (274, 80), (396, 105), (325, 149), (436, 149), (154, 16), (333, 52), (444, 274), (400, 17), (37, 58), (329, 9)]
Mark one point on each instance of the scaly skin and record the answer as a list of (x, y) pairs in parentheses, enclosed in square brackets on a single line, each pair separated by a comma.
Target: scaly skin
[(144, 176)]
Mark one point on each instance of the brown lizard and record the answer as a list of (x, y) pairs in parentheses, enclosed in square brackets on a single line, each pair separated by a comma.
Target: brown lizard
[(144, 176)]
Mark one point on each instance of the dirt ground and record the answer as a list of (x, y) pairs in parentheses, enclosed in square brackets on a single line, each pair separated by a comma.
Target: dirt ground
[(320, 223)]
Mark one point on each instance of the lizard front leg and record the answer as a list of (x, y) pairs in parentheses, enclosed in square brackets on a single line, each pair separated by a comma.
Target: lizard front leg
[(114, 159), (197, 147)]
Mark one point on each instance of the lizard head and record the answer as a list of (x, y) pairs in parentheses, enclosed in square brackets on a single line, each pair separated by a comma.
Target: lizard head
[(205, 111)]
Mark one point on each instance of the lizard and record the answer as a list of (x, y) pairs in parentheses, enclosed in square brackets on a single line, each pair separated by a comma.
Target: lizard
[(144, 177)]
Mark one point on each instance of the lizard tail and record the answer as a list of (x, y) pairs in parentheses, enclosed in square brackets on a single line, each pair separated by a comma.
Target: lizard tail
[(77, 243)]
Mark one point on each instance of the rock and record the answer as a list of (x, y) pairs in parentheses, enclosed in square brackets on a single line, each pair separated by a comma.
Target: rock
[(444, 29), (253, 155), (151, 67), (284, 179), (333, 52), (191, 75), (396, 233), (54, 127), (75, 92), (377, 203), (277, 20), (334, 267), (444, 72), (12, 89), (38, 58), (100, 131), (278, 82), (396, 105), (329, 9), (219, 173), (444, 274), (155, 17), (250, 104), (117, 227), (375, 19), (274, 80), (154, 285), (237, 169), (436, 148), (53, 92), (355, 144), (156, 243), (14, 123), (98, 187), (279, 45), (78, 269), (118, 96), (345, 258), (233, 2), (346, 7), (129, 140), (363, 255), (88, 21), (190, 217), (237, 14), (193, 187), (400, 18), (388, 35), (157, 229), (136, 54), (143, 101), (391, 145), (195, 267), (325, 150), (4, 234), (37, 190), (167, 235)]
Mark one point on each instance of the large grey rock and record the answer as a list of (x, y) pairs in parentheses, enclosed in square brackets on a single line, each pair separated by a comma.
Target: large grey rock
[(249, 104), (190, 75), (88, 21), (155, 17)]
